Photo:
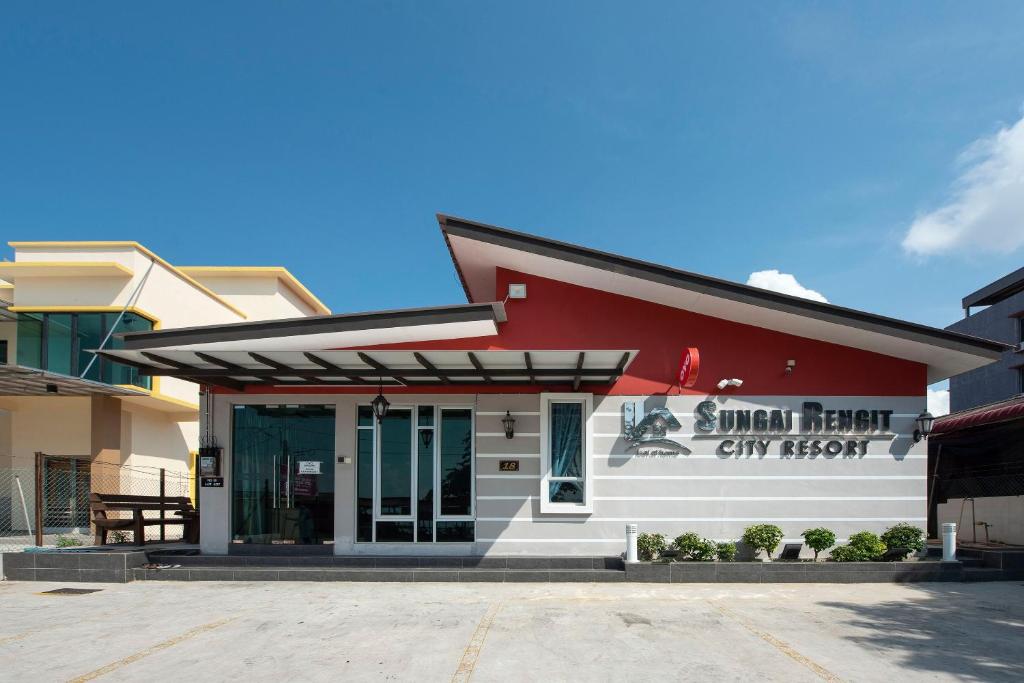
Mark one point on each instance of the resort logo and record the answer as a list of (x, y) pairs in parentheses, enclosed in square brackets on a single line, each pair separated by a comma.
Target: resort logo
[(648, 433)]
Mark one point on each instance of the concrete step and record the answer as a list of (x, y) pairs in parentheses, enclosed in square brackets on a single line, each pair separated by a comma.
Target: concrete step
[(278, 573), (983, 574), (383, 562), (971, 561)]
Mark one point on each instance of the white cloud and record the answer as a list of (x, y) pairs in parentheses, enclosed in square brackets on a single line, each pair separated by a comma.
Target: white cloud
[(985, 209), (784, 283), (938, 402)]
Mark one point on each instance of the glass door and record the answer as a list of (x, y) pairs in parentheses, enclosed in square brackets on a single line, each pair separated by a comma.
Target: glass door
[(283, 474)]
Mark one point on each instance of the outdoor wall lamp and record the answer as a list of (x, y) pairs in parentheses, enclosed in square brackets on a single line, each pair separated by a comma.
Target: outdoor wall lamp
[(790, 365), (509, 423), (924, 424), (380, 404)]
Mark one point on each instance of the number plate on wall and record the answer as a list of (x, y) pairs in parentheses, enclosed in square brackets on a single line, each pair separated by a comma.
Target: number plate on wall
[(508, 465)]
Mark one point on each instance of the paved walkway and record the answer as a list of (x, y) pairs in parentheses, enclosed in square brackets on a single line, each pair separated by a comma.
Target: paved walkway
[(512, 632)]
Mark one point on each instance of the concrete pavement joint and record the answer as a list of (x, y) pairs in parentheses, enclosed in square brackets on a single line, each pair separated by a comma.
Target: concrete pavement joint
[(779, 645), (476, 643), (113, 666)]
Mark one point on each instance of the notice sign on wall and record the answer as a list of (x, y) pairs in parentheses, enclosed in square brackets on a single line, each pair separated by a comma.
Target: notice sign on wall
[(212, 482), (309, 467)]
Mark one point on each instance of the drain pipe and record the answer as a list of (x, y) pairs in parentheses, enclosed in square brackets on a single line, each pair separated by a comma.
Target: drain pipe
[(631, 530), (949, 542)]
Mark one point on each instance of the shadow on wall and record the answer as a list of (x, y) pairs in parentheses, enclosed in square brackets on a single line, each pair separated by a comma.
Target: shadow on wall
[(947, 628)]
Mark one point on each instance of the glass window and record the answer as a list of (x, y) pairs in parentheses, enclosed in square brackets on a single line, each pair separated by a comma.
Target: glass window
[(426, 416), (425, 485), (30, 340), (61, 342), (565, 433), (455, 532), (365, 416), (456, 462), (89, 335), (125, 374), (394, 532), (58, 343), (395, 467)]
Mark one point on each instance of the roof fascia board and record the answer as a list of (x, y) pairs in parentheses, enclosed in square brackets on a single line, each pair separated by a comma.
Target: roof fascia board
[(711, 286), (292, 327), (994, 292)]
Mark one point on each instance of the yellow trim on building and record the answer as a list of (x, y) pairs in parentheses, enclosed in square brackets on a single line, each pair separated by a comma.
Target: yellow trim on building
[(280, 272), (12, 270), (135, 245), (87, 309)]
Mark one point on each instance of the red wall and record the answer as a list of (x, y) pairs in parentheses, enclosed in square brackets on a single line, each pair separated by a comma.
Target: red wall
[(557, 315)]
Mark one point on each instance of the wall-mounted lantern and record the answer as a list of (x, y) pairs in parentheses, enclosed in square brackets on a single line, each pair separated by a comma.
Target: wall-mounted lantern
[(924, 424), (509, 423)]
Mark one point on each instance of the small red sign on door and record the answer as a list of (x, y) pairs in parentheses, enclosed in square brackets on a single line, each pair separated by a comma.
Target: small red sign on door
[(689, 365)]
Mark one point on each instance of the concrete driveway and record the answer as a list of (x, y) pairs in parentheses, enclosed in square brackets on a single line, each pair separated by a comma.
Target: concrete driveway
[(512, 632)]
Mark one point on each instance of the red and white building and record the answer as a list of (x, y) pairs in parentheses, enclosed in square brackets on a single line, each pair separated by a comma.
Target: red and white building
[(553, 408)]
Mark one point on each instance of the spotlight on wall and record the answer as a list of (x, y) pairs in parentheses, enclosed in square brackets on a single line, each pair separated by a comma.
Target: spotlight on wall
[(517, 291), (509, 423), (722, 384), (790, 364), (924, 424)]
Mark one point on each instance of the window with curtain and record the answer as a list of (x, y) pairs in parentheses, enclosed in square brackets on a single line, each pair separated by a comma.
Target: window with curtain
[(566, 483)]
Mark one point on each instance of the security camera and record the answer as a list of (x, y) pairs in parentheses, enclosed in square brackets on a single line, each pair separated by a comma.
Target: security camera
[(730, 383), (723, 384)]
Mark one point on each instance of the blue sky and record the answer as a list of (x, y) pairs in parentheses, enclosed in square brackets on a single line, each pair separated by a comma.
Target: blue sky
[(804, 138)]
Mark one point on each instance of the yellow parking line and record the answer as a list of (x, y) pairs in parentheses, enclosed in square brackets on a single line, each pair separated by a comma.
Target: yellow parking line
[(476, 644), (191, 633), (780, 645)]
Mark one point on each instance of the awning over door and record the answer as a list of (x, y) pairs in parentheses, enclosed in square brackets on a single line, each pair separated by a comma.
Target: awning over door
[(236, 369)]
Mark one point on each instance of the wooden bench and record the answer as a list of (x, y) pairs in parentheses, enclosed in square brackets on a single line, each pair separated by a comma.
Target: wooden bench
[(180, 508)]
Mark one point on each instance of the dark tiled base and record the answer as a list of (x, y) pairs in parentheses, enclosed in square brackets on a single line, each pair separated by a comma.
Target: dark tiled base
[(386, 575), (794, 572)]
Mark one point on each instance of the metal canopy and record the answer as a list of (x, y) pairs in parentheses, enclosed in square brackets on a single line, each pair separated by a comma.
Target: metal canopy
[(353, 368), (18, 380)]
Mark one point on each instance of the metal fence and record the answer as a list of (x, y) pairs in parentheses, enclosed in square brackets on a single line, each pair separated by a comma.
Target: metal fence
[(56, 492)]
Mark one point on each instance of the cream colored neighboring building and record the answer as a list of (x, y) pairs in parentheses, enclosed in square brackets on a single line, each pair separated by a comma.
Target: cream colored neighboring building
[(79, 285)]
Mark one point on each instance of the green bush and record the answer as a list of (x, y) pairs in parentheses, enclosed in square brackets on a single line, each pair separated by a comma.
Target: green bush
[(726, 551), (693, 547), (67, 542), (819, 539), (904, 535), (118, 537), (650, 546), (764, 537), (864, 546)]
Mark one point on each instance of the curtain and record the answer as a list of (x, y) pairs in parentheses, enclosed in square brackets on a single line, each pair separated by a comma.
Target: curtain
[(566, 440)]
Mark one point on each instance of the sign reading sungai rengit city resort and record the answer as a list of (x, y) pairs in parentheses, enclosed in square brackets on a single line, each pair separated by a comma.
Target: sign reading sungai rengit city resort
[(840, 432)]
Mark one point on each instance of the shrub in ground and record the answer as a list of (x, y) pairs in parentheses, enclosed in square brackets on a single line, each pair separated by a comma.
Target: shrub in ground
[(864, 546), (650, 546), (904, 535), (726, 551), (764, 537), (819, 539), (693, 547)]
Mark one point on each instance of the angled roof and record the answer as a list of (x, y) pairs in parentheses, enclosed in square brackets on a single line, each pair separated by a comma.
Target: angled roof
[(477, 249)]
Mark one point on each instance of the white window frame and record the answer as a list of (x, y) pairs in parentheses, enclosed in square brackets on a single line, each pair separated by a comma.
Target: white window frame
[(438, 517), (587, 401), (414, 467)]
